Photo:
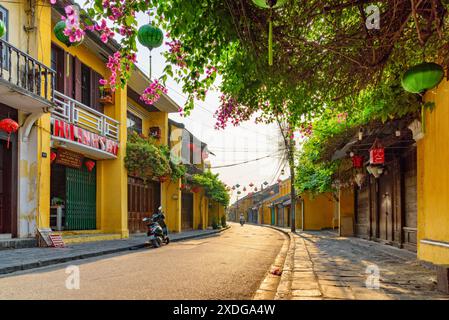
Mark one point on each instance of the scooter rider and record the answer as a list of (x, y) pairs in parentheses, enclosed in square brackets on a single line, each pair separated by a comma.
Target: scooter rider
[(242, 219)]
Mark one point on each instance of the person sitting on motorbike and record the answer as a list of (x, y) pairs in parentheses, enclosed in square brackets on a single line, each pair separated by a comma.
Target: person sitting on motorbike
[(242, 219)]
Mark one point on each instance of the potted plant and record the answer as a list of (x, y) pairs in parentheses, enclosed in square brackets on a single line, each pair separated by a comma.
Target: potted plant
[(106, 95)]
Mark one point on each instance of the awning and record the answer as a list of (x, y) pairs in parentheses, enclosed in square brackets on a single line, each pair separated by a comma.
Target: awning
[(287, 203)]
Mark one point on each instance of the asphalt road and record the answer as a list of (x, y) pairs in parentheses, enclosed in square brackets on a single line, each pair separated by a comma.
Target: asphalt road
[(228, 266)]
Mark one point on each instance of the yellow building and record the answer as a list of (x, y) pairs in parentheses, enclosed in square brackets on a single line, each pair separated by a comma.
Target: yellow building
[(64, 168)]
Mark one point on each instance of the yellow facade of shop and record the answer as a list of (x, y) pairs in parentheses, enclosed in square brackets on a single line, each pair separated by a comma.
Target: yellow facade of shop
[(433, 180)]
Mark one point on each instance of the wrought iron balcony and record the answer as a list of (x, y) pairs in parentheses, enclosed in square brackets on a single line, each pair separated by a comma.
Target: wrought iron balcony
[(76, 113), (25, 83)]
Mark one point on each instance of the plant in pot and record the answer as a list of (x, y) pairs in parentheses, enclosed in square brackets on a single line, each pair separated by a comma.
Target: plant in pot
[(106, 95)]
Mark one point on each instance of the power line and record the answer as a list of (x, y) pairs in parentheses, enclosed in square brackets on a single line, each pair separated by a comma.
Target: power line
[(244, 162)]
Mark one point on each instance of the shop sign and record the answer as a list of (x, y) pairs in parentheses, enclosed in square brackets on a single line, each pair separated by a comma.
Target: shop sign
[(62, 129), (69, 159)]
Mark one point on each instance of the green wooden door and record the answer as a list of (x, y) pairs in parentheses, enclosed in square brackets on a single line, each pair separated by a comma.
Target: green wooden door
[(273, 220), (81, 188)]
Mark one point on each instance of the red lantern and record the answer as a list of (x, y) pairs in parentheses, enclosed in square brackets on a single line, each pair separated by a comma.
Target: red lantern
[(163, 179), (195, 189), (90, 165), (377, 153), (357, 161), (183, 186), (52, 156), (9, 126)]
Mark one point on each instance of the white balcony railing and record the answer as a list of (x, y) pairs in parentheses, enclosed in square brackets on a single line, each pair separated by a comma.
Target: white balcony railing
[(76, 113)]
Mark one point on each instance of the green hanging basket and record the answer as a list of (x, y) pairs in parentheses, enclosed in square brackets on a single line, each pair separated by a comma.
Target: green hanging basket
[(2, 28), (59, 33), (150, 36), (422, 77), (267, 4)]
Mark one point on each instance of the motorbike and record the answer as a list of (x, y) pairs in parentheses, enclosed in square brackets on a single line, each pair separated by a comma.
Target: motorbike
[(242, 222), (157, 229)]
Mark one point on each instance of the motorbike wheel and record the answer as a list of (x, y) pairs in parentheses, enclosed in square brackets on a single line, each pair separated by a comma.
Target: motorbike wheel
[(155, 243), (167, 240)]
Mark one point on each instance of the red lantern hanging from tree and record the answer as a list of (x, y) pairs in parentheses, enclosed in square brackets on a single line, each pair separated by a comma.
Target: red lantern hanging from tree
[(377, 153), (9, 126), (195, 189), (357, 161), (90, 165)]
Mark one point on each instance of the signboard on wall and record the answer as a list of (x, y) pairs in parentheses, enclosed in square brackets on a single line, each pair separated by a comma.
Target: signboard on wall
[(62, 129), (69, 158)]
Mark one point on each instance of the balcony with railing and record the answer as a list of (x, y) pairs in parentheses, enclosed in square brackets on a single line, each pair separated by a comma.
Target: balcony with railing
[(25, 83), (99, 126)]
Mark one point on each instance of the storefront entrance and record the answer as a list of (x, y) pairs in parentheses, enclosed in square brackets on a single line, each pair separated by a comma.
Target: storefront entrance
[(73, 197), (8, 177), (187, 211)]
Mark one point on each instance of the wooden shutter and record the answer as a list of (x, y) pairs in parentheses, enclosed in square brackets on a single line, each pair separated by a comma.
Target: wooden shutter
[(77, 79), (95, 91), (69, 87)]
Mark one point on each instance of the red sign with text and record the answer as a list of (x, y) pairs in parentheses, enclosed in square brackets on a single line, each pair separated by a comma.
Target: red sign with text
[(73, 133)]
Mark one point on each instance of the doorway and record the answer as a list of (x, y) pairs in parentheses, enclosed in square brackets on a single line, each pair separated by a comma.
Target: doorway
[(5, 188), (186, 211), (385, 211)]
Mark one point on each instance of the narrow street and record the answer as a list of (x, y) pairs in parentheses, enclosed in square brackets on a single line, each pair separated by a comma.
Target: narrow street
[(228, 266)]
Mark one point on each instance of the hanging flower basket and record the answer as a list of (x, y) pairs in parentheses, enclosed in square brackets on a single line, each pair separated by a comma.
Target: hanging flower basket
[(422, 77), (59, 29)]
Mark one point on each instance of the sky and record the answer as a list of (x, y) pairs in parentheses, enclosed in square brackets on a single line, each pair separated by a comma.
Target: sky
[(233, 145)]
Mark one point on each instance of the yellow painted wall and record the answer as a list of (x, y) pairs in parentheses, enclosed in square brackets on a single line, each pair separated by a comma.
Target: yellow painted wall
[(318, 211), (433, 178), (346, 210), (200, 210)]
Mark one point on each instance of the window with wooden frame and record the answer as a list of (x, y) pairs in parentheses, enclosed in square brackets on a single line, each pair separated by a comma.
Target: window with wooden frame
[(133, 122), (4, 16)]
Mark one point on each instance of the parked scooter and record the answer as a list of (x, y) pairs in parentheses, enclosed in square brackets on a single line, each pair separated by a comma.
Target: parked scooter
[(157, 229)]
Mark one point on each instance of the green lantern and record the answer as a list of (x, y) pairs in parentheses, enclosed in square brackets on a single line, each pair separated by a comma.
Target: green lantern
[(270, 4), (422, 77), (150, 36), (59, 33), (2, 28)]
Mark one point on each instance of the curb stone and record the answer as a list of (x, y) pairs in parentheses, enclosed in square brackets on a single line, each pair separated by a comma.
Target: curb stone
[(269, 286), (82, 256)]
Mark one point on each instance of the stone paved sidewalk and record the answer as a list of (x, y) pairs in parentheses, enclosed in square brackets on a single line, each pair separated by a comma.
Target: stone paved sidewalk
[(28, 258), (325, 266)]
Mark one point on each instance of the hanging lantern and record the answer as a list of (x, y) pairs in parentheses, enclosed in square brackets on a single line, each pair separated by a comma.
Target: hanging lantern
[(89, 165), (377, 153), (2, 28), (357, 161), (9, 126), (422, 77), (52, 156), (251, 184), (183, 186), (195, 189), (282, 172), (233, 188), (255, 189), (150, 36), (244, 189), (270, 4), (59, 33), (163, 179), (359, 179)]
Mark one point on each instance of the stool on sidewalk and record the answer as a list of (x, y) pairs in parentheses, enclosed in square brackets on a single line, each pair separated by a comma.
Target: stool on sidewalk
[(443, 278)]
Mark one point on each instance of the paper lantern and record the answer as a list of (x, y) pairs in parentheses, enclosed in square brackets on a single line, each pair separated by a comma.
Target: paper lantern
[(90, 165), (9, 126), (52, 156), (150, 36), (377, 153), (422, 77), (163, 179), (2, 28), (195, 189), (357, 161), (251, 184)]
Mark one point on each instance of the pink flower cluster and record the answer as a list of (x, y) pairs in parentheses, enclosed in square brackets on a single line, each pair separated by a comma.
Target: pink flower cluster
[(341, 117), (105, 31), (175, 50), (306, 130), (153, 92), (210, 71), (229, 111), (72, 29)]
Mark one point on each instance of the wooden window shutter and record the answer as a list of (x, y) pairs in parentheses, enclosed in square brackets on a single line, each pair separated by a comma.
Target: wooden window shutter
[(95, 91), (77, 79), (69, 88)]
